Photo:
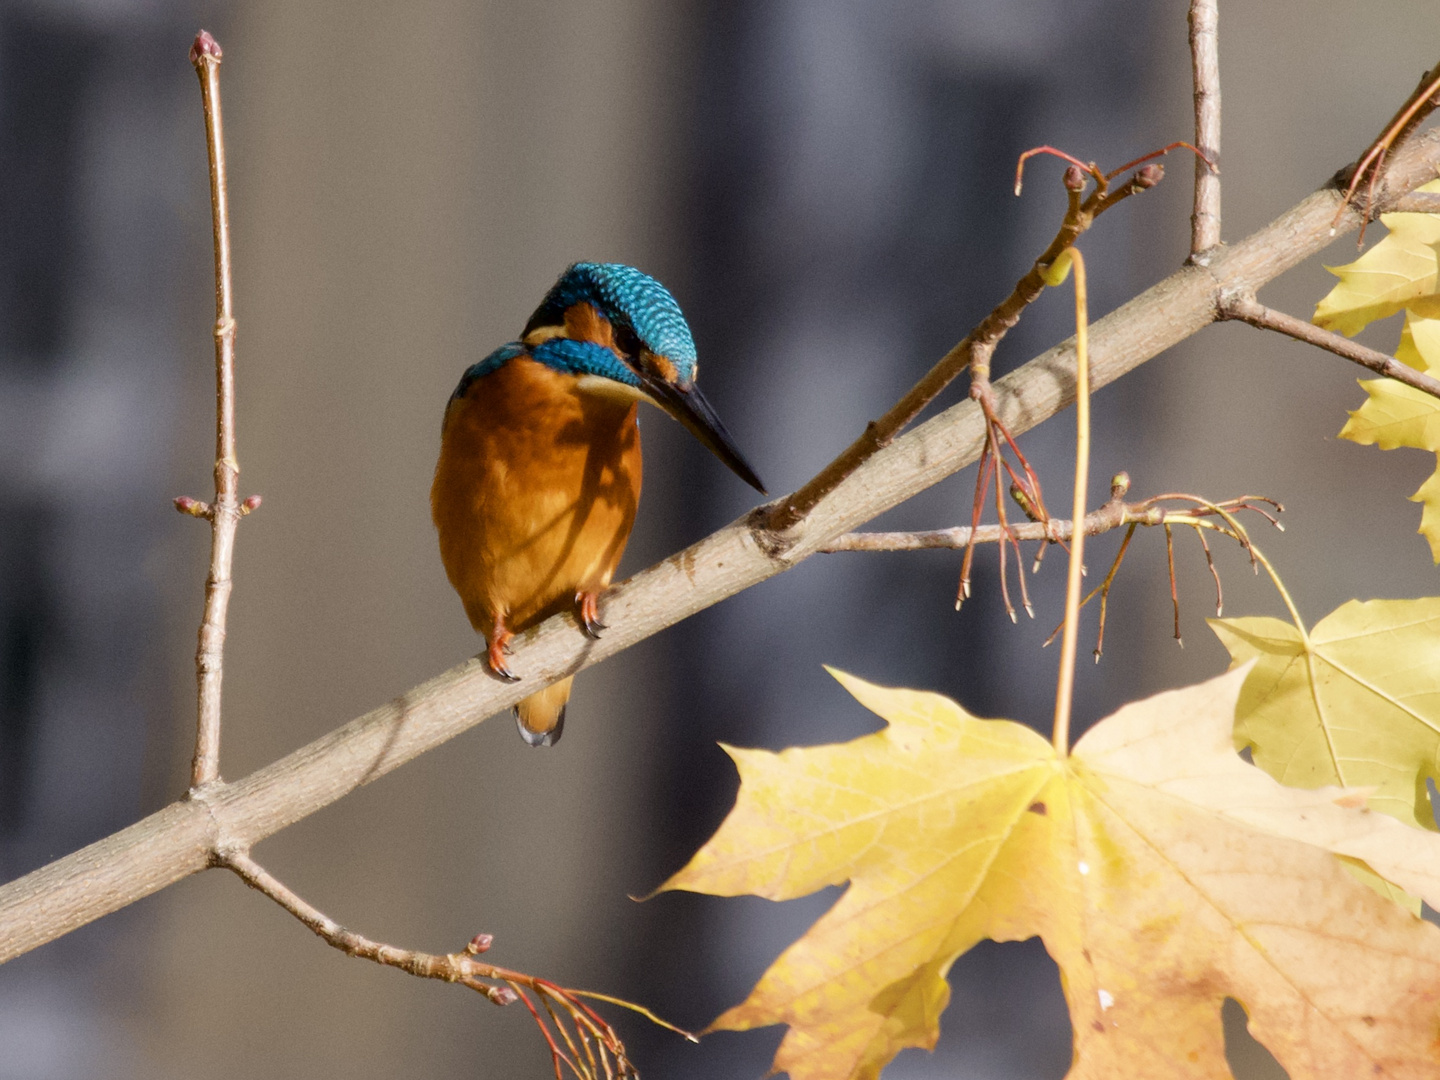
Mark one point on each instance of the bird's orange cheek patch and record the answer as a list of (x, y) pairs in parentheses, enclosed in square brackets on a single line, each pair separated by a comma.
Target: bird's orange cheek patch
[(659, 365), (583, 322)]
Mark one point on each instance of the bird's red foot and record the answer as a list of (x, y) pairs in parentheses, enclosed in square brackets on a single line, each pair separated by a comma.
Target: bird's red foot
[(587, 610), (499, 649)]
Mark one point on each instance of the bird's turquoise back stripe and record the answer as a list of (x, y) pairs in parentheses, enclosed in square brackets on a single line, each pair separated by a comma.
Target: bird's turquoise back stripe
[(494, 362), (564, 355)]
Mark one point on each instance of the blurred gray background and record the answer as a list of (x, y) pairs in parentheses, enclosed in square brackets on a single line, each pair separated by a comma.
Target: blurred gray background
[(826, 188)]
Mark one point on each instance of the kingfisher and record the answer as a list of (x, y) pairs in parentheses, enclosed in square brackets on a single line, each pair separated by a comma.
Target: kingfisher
[(538, 480)]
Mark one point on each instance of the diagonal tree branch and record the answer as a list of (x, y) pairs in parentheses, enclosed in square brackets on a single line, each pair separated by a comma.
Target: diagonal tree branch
[(181, 838)]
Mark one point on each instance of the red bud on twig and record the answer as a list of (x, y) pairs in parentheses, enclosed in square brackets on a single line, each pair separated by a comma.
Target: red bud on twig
[(205, 47), (1149, 176)]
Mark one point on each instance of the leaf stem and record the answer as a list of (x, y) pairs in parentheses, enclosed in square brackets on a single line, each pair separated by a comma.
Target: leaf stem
[(1065, 688)]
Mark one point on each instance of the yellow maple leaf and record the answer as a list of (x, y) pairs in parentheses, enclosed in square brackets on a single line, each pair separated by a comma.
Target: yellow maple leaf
[(1357, 704), (1162, 872), (1399, 415), (1429, 496), (1401, 271)]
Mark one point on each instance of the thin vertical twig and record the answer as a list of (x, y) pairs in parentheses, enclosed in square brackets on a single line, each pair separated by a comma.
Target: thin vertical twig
[(1065, 686), (1205, 62), (225, 512)]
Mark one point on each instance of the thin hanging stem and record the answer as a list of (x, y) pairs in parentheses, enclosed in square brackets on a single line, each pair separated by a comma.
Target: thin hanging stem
[(987, 465), (1004, 530), (1174, 587), (1258, 556), (1104, 589), (1064, 690)]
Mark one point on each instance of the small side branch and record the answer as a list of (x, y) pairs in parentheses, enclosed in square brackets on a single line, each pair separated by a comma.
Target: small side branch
[(451, 967), (979, 345), (1194, 512), (1115, 514), (225, 511), (1205, 63), (1247, 309), (1112, 515), (580, 1041)]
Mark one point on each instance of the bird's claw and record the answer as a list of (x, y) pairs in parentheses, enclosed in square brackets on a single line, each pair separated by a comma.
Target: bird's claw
[(587, 610), (495, 655)]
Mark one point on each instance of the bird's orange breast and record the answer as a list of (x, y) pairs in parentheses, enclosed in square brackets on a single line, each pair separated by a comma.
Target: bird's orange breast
[(535, 492)]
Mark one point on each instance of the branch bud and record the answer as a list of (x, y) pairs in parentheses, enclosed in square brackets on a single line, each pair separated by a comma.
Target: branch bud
[(1149, 176), (205, 47), (480, 943), (502, 995), (194, 507), (1022, 500), (1074, 178), (251, 504), (1119, 485)]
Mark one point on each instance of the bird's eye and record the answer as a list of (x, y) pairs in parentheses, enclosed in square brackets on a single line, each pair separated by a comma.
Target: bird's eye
[(626, 340)]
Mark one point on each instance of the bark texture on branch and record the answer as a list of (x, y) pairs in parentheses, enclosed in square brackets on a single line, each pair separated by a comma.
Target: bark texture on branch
[(177, 841), (1205, 65)]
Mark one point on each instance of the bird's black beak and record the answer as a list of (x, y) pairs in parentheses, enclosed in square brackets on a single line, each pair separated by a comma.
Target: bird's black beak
[(689, 406)]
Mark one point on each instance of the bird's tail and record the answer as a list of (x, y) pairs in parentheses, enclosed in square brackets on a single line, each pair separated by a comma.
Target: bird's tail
[(541, 716)]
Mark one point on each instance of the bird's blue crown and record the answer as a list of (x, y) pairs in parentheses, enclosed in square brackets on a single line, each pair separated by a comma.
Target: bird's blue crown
[(640, 309), (633, 301)]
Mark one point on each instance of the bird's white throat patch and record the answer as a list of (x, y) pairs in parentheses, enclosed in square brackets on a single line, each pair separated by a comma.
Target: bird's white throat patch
[(600, 386)]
